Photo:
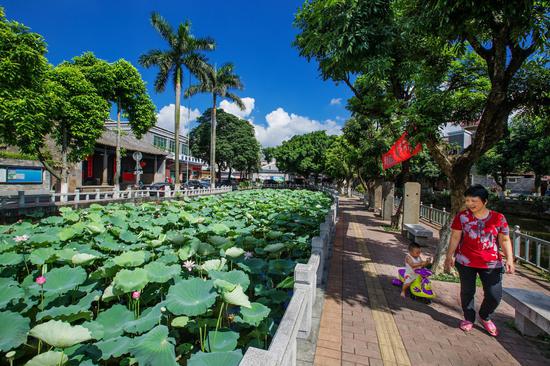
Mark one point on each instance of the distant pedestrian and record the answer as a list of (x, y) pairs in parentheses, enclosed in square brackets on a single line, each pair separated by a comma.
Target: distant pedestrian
[(477, 236)]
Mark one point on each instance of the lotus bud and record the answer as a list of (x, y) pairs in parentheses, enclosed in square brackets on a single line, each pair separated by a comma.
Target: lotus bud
[(40, 280)]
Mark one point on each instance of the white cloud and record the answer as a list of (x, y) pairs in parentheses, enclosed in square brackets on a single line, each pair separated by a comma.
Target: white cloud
[(282, 126), (231, 107), (165, 117), (336, 101)]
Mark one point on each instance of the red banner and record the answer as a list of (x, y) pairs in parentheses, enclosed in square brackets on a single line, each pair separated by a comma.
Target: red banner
[(399, 152)]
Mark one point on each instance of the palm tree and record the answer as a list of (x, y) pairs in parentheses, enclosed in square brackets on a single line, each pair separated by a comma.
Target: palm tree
[(217, 82), (183, 52)]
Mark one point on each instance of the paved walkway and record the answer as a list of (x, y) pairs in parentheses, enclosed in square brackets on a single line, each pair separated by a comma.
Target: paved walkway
[(365, 321)]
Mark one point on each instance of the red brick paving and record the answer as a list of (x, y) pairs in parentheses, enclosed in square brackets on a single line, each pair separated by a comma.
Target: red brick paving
[(348, 333)]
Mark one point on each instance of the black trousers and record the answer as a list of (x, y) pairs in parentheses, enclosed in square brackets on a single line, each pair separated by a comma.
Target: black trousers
[(491, 278)]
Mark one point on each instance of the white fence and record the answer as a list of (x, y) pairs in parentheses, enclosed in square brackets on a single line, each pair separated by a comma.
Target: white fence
[(534, 251), (297, 320), (98, 196)]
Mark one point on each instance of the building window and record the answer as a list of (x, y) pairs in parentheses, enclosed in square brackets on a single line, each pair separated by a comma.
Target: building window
[(184, 149), (172, 146), (512, 180), (159, 142)]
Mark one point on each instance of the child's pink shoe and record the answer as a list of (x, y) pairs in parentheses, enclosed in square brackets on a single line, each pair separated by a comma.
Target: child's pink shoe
[(490, 327), (466, 325)]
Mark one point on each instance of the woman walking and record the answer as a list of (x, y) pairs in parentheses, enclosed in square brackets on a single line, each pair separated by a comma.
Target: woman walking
[(477, 234)]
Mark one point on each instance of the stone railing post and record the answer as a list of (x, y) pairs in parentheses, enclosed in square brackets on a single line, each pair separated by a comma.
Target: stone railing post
[(305, 278), (516, 239), (21, 198), (317, 247), (77, 195)]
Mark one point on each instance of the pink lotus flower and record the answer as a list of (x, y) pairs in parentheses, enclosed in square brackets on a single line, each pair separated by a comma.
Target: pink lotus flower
[(21, 238), (136, 295), (189, 265), (40, 280), (248, 255)]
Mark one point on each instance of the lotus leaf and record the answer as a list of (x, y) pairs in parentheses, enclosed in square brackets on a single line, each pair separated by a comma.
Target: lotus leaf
[(204, 249), (129, 237), (235, 277), (13, 330), (60, 334), (147, 320), (160, 272), (255, 314), (218, 241), (83, 258), (63, 279), (130, 259), (191, 297), (236, 297), (95, 227), (40, 256), (110, 323), (50, 358), (187, 252), (253, 265), (154, 348), (272, 248), (10, 259), (180, 321), (9, 291), (281, 266), (131, 280), (231, 358), (67, 233), (218, 229), (286, 283), (114, 347), (221, 340), (64, 312), (234, 252), (224, 285), (214, 264)]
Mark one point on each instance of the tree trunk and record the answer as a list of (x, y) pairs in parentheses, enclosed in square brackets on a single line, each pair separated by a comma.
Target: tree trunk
[(64, 184), (348, 182), (458, 184), (229, 176), (177, 129), (116, 178), (213, 143)]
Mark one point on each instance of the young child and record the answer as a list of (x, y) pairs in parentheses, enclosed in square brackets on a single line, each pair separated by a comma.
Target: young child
[(413, 261)]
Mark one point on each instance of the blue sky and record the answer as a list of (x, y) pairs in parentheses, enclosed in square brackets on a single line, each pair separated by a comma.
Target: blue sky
[(287, 95)]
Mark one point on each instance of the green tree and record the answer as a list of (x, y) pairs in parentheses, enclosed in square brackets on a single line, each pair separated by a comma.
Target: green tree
[(501, 160), (342, 162), (121, 84), (532, 136), (268, 153), (304, 154), (217, 82), (183, 52), (39, 103), (77, 116), (236, 148), (24, 100), (438, 62)]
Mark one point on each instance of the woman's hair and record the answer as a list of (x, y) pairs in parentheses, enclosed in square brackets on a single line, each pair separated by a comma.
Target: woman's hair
[(477, 190)]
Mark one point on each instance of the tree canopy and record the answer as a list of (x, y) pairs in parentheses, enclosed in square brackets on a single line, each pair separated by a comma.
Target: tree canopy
[(236, 147), (304, 154)]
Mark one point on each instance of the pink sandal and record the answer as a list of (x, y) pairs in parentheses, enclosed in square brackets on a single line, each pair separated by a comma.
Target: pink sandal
[(466, 325), (490, 327)]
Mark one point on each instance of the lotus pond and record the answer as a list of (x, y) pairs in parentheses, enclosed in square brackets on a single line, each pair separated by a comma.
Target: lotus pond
[(191, 282)]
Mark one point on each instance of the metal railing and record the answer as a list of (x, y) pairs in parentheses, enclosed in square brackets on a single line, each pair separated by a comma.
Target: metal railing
[(434, 215), (529, 249)]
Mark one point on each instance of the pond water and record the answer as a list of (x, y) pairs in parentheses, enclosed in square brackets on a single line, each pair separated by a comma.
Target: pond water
[(534, 227)]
